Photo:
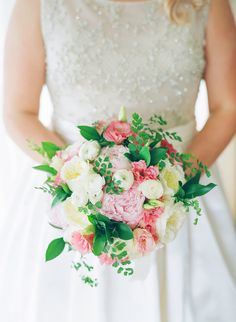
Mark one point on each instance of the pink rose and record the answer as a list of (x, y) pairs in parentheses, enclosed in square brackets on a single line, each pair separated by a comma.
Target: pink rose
[(82, 243), (106, 259), (169, 146), (143, 241), (117, 157), (149, 219), (126, 207), (142, 172), (117, 132)]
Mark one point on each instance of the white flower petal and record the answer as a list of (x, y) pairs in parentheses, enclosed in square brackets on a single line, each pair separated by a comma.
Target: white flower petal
[(89, 150), (124, 178), (151, 189), (79, 199), (74, 168)]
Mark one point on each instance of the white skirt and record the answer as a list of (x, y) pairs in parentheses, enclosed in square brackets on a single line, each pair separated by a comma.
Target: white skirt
[(191, 280)]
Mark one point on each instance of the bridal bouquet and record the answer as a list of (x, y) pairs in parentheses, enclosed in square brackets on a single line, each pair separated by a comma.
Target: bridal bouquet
[(121, 193)]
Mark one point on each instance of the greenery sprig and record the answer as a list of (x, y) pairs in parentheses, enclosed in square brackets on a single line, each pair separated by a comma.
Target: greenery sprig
[(191, 190), (103, 166)]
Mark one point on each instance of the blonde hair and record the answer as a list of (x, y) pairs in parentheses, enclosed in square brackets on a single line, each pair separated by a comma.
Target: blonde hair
[(177, 14)]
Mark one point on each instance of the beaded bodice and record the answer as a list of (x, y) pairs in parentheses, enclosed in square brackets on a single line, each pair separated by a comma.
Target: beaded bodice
[(101, 54)]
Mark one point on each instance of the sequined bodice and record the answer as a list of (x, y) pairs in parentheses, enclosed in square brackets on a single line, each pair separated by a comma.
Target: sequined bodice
[(101, 54)]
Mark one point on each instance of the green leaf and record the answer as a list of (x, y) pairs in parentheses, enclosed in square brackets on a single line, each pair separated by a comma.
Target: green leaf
[(193, 180), (103, 218), (122, 255), (65, 188), (145, 155), (180, 193), (50, 149), (93, 219), (46, 168), (158, 154), (60, 196), (89, 133), (98, 204), (196, 190), (158, 138), (124, 231), (129, 156), (99, 243), (55, 248)]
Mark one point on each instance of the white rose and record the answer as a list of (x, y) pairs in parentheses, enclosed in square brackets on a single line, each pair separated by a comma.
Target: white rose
[(124, 179), (170, 222), (74, 217), (89, 150), (151, 189), (79, 199), (74, 169), (170, 177), (57, 163)]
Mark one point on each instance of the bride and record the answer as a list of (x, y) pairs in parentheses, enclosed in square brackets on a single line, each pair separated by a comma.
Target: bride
[(94, 56)]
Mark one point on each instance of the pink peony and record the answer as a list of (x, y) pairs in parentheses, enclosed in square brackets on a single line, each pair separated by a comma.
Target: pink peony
[(127, 207), (117, 157), (117, 132), (106, 259), (143, 241), (142, 172), (148, 221), (169, 146), (82, 243)]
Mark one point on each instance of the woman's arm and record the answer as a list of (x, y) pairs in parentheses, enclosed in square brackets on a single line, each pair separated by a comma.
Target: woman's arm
[(220, 76), (24, 76)]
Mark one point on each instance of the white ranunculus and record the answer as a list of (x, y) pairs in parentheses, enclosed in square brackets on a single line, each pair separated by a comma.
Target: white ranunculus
[(73, 216), (151, 189), (79, 199), (57, 163), (95, 197), (124, 179), (89, 150), (74, 169), (170, 177), (87, 186), (170, 222), (95, 183)]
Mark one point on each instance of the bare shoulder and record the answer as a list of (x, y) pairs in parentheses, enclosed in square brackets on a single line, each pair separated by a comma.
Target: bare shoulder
[(26, 15), (24, 63), (221, 53), (221, 22)]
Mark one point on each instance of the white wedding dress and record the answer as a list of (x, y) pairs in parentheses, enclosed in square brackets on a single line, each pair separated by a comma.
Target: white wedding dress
[(102, 54)]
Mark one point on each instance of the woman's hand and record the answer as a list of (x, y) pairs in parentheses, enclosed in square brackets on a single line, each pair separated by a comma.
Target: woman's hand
[(24, 77), (220, 76)]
